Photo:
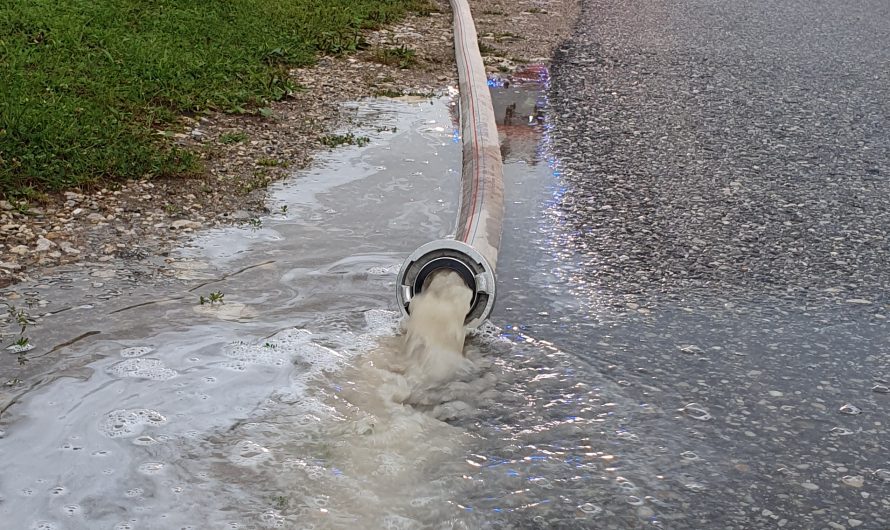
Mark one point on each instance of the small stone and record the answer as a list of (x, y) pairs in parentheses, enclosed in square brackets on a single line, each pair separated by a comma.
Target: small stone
[(95, 218), (68, 249), (44, 244), (881, 389), (776, 393), (852, 410), (21, 250), (854, 523), (853, 481), (810, 486), (181, 224)]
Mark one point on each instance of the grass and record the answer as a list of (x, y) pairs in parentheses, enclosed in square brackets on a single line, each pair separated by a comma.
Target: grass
[(89, 89), (336, 140), (401, 56)]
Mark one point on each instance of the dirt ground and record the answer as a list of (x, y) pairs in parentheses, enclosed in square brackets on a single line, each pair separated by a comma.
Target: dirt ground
[(142, 219)]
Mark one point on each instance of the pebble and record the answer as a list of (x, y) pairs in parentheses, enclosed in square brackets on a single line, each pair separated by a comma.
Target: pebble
[(44, 244), (181, 224)]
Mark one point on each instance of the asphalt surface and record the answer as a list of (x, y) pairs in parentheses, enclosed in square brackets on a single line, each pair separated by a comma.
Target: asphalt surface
[(717, 247), (738, 144)]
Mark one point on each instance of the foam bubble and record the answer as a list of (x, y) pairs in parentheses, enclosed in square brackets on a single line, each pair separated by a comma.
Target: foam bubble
[(151, 468), (122, 423), (135, 351), (381, 322), (153, 369), (397, 522)]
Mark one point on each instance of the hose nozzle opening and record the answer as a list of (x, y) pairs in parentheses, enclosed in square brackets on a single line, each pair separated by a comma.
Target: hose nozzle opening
[(458, 257)]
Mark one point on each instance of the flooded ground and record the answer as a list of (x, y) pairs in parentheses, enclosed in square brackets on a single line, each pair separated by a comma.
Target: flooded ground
[(282, 404)]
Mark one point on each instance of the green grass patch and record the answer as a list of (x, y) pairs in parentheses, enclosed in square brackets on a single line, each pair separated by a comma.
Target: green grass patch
[(90, 89), (336, 140), (233, 138)]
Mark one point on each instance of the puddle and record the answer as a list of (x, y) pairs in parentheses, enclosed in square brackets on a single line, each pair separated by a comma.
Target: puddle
[(275, 403)]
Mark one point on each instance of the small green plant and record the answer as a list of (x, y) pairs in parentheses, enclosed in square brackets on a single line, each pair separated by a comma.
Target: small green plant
[(255, 222), (233, 138), (507, 35), (21, 318), (280, 502), (487, 49), (401, 56), (284, 209), (213, 298), (336, 140), (22, 344), (270, 162), (387, 93)]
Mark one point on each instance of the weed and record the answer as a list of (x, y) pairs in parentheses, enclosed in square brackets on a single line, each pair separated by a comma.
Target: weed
[(22, 342), (233, 138), (401, 56), (284, 209), (487, 49), (280, 502), (216, 297), (336, 140), (255, 222), (270, 162), (387, 93), (506, 36)]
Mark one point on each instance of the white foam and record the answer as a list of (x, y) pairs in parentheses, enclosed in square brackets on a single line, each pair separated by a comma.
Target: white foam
[(135, 351), (142, 368), (151, 468), (124, 423)]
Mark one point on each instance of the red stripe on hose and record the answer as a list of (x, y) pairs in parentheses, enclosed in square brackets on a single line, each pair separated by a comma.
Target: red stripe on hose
[(472, 111)]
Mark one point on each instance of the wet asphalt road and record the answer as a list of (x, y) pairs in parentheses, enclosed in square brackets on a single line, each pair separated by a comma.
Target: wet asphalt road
[(718, 246)]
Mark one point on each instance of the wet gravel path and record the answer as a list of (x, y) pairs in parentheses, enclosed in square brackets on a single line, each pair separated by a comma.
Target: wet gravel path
[(720, 247)]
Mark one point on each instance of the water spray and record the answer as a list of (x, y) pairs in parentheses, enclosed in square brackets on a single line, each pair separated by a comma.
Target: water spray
[(473, 252)]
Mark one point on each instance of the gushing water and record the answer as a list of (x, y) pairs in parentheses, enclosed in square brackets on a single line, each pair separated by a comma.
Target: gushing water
[(432, 352)]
